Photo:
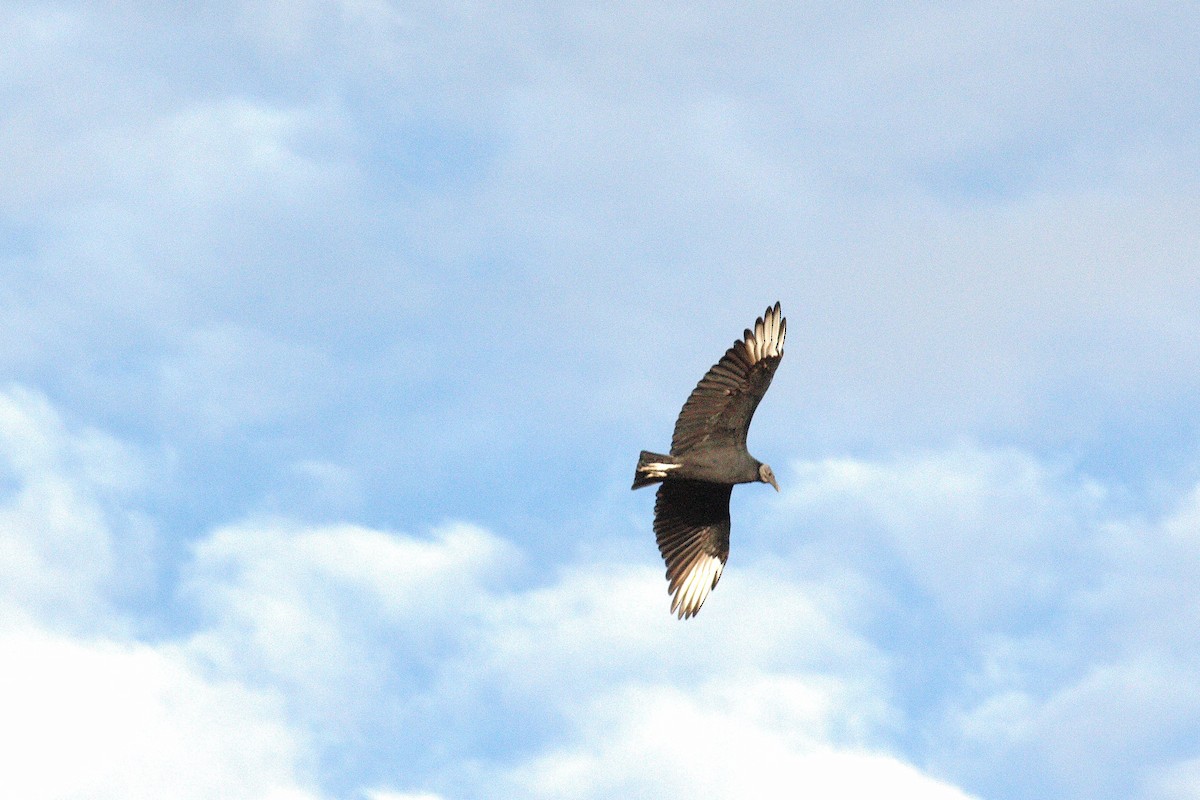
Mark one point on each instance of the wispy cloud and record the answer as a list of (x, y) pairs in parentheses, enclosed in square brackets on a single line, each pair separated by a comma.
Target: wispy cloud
[(71, 540)]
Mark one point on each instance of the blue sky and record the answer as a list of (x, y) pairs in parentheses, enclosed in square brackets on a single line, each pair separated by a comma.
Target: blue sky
[(330, 332)]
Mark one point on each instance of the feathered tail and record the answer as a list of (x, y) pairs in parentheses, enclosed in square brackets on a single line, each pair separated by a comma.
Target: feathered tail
[(652, 468)]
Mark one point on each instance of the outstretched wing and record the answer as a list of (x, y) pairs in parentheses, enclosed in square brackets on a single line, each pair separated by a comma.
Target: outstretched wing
[(691, 524), (720, 408)]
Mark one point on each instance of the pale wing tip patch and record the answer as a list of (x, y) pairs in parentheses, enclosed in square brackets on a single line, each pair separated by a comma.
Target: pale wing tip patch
[(766, 339), (693, 590)]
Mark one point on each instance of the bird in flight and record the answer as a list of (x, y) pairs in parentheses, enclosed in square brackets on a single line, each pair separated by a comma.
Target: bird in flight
[(708, 456)]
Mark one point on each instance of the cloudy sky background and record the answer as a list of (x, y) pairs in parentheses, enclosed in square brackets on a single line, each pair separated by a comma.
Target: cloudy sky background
[(331, 330)]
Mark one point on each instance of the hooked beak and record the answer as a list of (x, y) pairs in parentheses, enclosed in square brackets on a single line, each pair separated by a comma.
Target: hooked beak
[(773, 483)]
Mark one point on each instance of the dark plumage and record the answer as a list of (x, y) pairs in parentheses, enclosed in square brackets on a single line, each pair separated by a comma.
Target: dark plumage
[(708, 456)]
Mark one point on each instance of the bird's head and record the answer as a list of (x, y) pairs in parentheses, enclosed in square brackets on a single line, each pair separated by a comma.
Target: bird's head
[(766, 476)]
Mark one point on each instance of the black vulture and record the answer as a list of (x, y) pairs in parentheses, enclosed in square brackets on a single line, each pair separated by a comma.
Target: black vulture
[(708, 456)]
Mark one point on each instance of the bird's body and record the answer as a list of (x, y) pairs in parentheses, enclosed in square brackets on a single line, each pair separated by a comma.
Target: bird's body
[(713, 465), (708, 457)]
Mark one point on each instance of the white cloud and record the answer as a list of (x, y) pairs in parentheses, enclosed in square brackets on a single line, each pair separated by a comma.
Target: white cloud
[(88, 712), (69, 543), (103, 719), (762, 736), (314, 610), (344, 620), (783, 667), (1152, 568), (1106, 732), (601, 624), (360, 634), (1061, 635), (984, 532)]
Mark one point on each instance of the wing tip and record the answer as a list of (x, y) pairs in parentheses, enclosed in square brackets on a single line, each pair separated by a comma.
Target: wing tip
[(693, 586), (765, 340)]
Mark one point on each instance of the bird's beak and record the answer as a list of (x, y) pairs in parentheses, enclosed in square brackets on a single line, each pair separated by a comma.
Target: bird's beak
[(773, 483)]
